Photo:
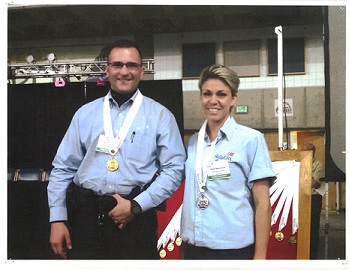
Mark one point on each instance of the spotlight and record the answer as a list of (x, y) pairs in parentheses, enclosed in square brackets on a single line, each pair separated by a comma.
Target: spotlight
[(30, 59), (51, 57)]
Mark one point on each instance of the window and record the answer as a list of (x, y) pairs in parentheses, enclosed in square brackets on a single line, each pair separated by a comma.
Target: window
[(196, 57), (293, 54)]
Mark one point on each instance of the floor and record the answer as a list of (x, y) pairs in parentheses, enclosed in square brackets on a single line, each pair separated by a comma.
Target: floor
[(335, 249)]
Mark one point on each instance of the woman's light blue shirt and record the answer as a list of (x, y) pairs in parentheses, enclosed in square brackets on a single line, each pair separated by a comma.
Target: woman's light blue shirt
[(153, 143), (228, 221)]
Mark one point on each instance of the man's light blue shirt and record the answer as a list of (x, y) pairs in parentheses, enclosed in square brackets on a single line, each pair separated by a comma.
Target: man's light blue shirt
[(228, 221), (153, 143)]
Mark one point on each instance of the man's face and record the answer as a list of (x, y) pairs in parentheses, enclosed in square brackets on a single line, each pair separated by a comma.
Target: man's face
[(123, 78)]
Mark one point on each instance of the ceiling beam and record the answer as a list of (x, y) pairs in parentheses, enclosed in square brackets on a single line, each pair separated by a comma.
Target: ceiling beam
[(83, 14), (218, 15), (126, 13), (173, 16), (40, 17)]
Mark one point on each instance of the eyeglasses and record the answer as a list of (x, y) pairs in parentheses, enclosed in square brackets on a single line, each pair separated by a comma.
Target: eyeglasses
[(129, 65)]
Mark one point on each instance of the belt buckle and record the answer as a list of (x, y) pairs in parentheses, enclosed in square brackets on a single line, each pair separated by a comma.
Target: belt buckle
[(101, 214), (101, 218), (105, 204)]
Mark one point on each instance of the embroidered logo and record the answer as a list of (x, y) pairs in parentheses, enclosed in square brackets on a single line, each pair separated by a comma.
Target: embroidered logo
[(228, 156)]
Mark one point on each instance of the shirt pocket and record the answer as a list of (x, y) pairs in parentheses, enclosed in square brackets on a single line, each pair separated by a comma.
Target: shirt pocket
[(140, 146)]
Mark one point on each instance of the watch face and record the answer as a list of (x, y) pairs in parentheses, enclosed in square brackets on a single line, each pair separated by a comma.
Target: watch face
[(136, 209)]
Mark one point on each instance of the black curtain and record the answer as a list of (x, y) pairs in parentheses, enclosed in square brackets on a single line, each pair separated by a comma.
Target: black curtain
[(39, 115), (334, 92), (28, 230)]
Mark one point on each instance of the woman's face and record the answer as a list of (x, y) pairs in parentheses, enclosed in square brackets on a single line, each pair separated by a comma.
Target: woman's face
[(216, 100)]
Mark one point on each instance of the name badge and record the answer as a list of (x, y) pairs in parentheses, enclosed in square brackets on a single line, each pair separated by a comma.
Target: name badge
[(103, 144), (218, 170)]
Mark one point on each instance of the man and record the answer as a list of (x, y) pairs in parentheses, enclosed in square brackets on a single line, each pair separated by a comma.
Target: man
[(125, 156), (318, 173)]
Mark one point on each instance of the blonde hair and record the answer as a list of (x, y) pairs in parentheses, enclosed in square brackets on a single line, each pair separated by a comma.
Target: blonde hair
[(223, 73)]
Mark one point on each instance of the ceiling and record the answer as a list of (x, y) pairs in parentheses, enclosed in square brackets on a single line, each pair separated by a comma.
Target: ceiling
[(86, 21)]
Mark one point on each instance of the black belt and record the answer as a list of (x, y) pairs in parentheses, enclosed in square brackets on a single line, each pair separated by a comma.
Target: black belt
[(77, 196)]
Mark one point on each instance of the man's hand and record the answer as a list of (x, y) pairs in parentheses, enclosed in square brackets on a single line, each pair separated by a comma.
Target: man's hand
[(121, 213), (60, 239)]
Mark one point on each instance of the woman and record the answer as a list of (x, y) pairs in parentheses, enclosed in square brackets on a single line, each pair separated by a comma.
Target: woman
[(226, 207)]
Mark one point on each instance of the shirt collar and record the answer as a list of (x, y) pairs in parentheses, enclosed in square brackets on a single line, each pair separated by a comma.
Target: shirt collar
[(113, 102), (225, 131)]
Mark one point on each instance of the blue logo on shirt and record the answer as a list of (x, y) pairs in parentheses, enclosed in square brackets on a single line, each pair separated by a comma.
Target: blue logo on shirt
[(223, 157)]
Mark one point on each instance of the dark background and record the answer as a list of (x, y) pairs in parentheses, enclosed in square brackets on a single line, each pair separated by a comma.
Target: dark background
[(38, 117)]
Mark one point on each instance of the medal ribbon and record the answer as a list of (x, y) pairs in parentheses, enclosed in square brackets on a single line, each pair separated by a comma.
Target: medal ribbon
[(292, 196), (278, 208), (275, 195), (201, 175), (284, 216), (171, 230), (287, 183), (108, 126), (295, 202)]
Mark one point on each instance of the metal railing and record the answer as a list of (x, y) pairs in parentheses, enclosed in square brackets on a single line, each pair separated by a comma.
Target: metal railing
[(65, 70)]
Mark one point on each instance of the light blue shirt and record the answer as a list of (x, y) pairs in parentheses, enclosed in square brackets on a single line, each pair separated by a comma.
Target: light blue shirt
[(153, 143), (228, 221)]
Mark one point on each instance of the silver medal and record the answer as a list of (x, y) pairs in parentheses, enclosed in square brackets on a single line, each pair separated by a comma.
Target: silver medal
[(202, 202)]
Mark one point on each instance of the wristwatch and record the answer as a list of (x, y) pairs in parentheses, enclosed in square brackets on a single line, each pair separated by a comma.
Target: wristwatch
[(136, 209)]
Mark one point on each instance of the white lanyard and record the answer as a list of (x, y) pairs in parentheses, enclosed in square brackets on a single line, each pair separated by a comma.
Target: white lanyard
[(201, 175), (115, 143)]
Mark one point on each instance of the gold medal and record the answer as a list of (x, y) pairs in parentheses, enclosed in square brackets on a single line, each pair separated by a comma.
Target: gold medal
[(179, 241), (292, 240), (279, 236), (162, 253), (112, 164), (170, 246)]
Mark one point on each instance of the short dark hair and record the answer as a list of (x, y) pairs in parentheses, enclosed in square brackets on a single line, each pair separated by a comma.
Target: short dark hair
[(223, 73), (122, 43), (309, 146)]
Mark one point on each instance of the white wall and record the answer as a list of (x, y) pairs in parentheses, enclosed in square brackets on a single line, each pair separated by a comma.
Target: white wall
[(168, 65), (168, 55)]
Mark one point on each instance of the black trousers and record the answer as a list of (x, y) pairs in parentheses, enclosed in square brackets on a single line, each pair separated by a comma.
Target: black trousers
[(192, 252), (316, 206), (96, 236)]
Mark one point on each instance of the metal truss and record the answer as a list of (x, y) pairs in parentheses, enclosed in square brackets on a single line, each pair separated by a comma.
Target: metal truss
[(66, 70)]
